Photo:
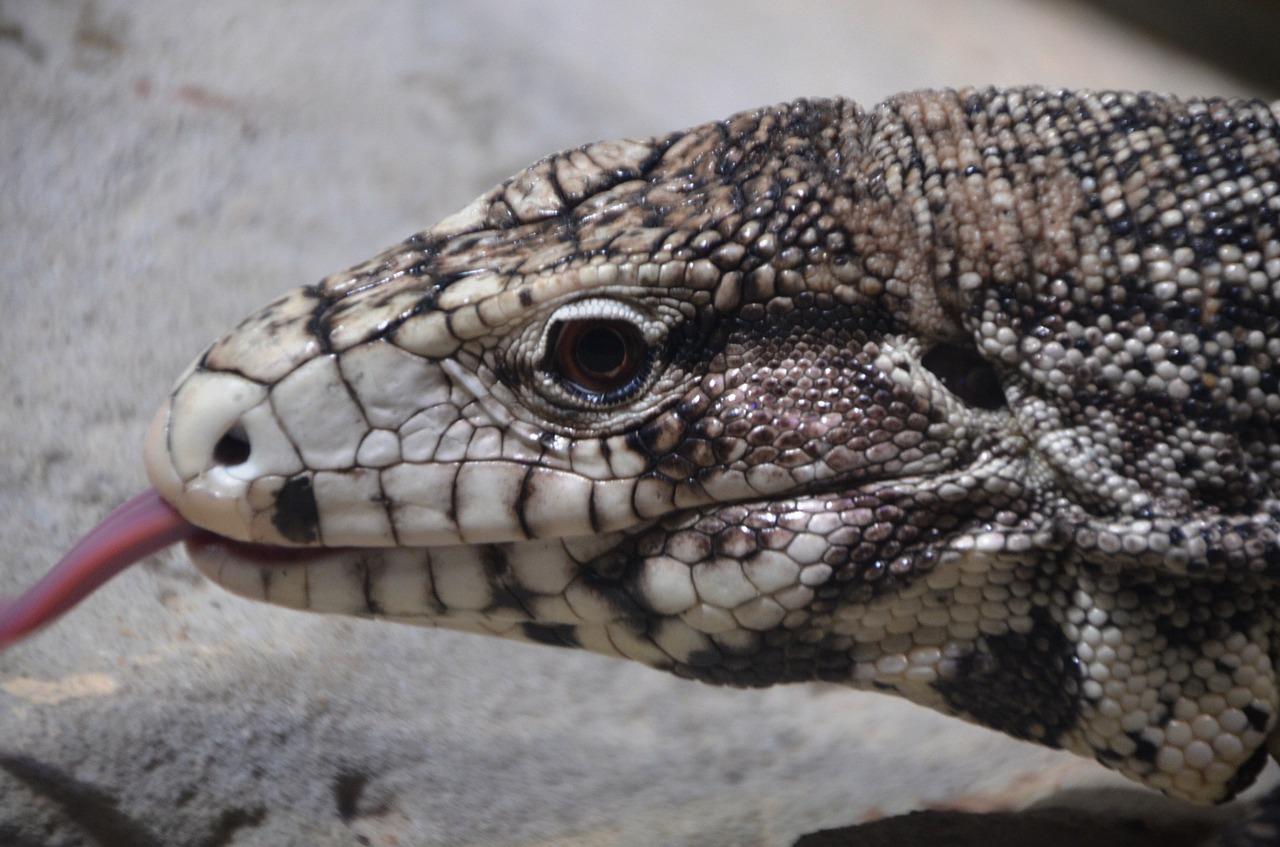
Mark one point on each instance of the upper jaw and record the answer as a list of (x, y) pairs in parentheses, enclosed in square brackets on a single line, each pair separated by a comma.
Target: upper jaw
[(475, 483)]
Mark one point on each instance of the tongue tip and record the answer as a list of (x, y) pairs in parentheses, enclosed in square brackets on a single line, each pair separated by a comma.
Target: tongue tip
[(135, 530), (13, 626)]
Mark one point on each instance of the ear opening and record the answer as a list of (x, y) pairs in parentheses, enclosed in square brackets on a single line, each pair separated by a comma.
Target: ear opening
[(966, 375)]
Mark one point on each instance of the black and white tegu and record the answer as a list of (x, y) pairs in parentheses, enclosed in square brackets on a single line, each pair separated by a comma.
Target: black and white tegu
[(970, 397)]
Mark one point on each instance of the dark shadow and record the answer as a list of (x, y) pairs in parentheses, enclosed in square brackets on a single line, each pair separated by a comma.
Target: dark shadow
[(1237, 36), (94, 811), (1096, 817), (97, 814)]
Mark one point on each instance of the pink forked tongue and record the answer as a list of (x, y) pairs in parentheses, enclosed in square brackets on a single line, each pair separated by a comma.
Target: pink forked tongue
[(134, 531)]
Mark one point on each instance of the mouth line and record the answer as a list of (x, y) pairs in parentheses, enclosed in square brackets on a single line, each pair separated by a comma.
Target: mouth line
[(263, 555), (147, 524)]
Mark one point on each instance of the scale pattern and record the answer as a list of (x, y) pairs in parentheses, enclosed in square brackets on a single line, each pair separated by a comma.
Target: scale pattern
[(970, 397)]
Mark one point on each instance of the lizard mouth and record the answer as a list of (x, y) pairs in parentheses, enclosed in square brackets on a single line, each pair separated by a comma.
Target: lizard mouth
[(202, 542), (144, 525)]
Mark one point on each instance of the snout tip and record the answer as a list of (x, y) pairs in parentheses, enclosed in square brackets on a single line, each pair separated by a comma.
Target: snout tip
[(179, 454)]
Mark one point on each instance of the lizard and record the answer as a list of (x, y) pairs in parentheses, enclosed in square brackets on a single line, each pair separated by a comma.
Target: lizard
[(969, 397)]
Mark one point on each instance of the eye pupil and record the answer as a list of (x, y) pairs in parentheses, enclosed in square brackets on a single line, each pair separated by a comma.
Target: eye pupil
[(600, 351), (599, 359)]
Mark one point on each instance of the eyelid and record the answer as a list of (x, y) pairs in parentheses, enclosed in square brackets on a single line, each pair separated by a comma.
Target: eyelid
[(653, 331)]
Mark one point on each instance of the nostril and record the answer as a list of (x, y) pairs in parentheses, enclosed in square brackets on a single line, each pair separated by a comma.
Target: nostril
[(232, 449)]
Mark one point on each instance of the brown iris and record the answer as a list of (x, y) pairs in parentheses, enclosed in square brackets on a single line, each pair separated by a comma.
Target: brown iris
[(599, 358)]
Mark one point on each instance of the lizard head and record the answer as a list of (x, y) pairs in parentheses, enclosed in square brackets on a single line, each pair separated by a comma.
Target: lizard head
[(807, 394), (642, 398), (619, 402)]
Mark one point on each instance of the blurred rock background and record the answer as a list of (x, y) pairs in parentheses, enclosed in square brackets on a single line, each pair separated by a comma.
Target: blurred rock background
[(167, 167)]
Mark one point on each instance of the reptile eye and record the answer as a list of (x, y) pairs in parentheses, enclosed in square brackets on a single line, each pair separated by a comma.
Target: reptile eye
[(601, 359), (597, 354)]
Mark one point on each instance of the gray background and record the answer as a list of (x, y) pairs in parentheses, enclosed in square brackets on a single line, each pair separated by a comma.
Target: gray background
[(167, 167)]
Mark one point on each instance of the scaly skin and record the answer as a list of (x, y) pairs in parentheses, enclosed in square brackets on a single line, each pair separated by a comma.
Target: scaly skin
[(970, 397)]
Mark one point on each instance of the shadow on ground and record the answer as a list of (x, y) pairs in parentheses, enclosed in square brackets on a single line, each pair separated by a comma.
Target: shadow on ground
[(1102, 817)]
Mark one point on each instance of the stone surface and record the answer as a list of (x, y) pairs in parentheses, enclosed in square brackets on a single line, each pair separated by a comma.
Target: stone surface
[(169, 167)]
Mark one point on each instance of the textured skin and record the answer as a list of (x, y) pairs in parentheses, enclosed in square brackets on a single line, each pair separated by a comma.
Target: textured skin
[(970, 397)]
